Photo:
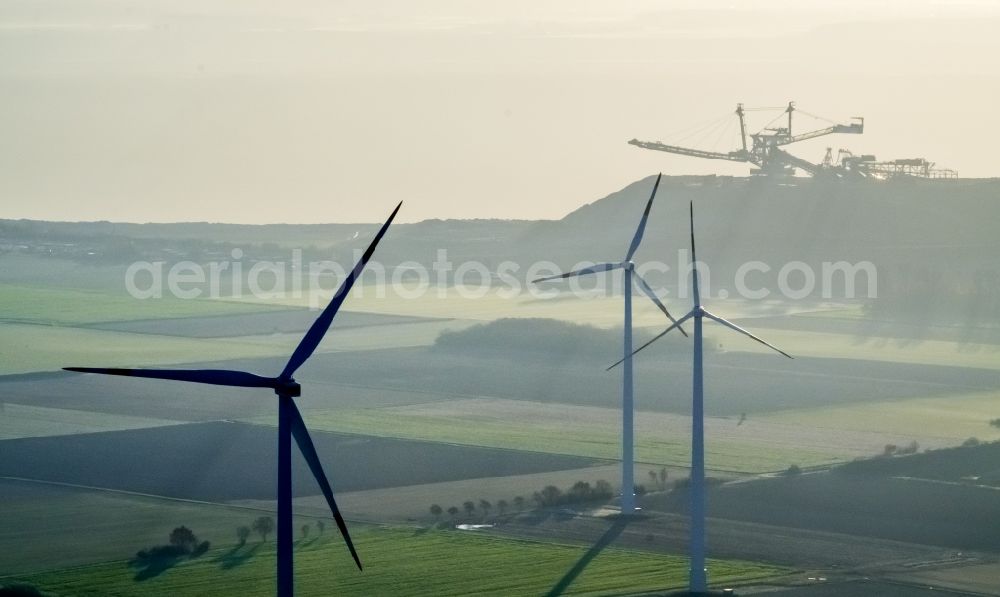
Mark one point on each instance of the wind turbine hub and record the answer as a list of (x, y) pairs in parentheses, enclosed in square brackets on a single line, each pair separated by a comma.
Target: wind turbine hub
[(290, 388), (629, 265)]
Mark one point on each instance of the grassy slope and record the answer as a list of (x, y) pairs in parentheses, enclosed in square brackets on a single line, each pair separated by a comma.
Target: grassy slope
[(403, 562), (18, 420), (53, 526)]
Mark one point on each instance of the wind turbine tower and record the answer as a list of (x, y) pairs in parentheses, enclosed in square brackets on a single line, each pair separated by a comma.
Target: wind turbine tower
[(628, 408), (698, 582)]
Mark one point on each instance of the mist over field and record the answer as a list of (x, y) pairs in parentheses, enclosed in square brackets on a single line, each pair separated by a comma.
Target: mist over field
[(185, 187)]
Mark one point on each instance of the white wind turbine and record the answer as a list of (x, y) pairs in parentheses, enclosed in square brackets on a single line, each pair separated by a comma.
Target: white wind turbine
[(628, 410), (697, 581)]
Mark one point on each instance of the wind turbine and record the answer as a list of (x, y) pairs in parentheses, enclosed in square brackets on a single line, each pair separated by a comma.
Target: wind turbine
[(697, 580), (628, 410), (290, 423)]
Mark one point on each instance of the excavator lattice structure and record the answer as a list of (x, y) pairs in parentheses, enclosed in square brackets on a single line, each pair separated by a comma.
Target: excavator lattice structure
[(765, 150)]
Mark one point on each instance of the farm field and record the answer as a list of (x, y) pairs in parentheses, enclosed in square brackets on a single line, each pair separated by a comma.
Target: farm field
[(18, 420), (594, 308), (230, 461), (853, 323), (56, 526), (969, 465), (249, 324), (65, 306), (754, 446), (840, 339), (30, 347), (870, 588), (436, 563), (954, 417), (403, 505), (799, 548), (735, 382), (147, 398), (979, 579), (959, 516), (845, 346)]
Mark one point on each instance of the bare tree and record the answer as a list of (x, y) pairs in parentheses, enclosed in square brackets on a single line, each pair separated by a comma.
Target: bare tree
[(243, 533), (263, 527)]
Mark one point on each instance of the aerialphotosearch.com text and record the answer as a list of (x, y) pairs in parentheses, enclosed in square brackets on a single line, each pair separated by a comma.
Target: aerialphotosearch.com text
[(239, 278)]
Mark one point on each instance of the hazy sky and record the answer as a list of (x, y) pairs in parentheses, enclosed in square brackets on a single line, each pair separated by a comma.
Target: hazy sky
[(331, 111)]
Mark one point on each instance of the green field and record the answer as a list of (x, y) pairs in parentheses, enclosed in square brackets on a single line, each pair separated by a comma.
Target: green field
[(45, 525), (604, 311), (846, 346), (403, 562), (63, 306), (17, 420), (955, 418), (661, 438), (30, 347), (601, 311)]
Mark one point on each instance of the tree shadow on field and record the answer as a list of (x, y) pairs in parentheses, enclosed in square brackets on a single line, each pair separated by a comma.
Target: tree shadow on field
[(606, 539), (535, 517), (152, 566), (237, 556), (304, 543)]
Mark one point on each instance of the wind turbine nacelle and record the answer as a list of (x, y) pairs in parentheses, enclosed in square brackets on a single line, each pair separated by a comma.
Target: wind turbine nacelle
[(291, 388)]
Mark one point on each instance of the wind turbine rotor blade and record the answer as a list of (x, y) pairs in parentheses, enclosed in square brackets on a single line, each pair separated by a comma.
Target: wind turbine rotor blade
[(218, 377), (694, 263), (319, 327), (737, 328), (655, 338), (642, 223), (648, 291), (305, 444), (594, 269)]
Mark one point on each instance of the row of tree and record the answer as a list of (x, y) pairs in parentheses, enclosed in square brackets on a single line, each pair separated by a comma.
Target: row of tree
[(181, 542), (264, 526), (548, 496)]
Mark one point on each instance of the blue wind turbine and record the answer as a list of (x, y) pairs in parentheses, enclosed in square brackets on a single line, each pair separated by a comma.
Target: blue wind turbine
[(290, 423), (698, 576), (628, 407)]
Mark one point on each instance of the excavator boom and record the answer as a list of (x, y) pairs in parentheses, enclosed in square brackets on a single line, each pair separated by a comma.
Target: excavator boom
[(733, 156), (765, 152)]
